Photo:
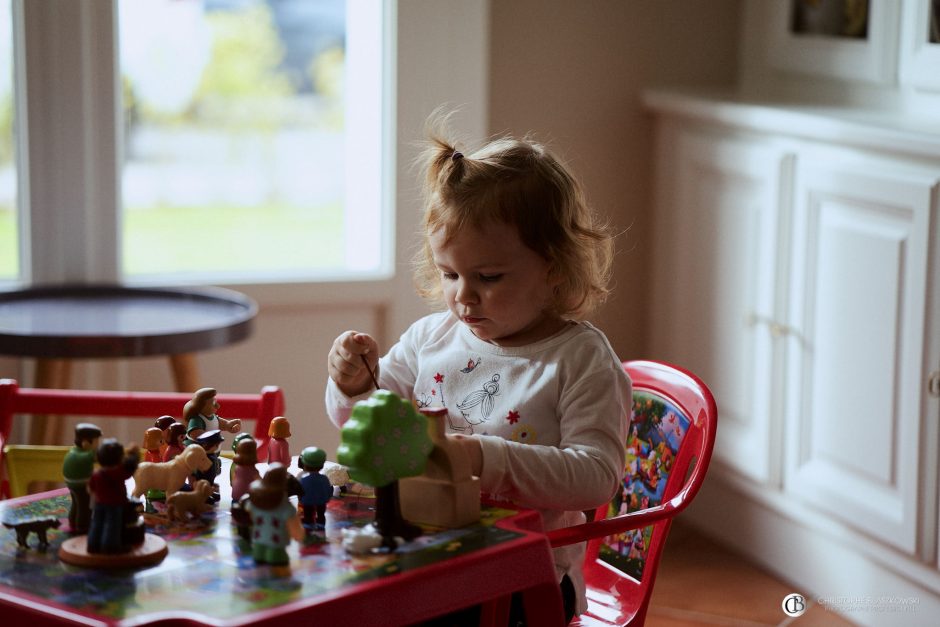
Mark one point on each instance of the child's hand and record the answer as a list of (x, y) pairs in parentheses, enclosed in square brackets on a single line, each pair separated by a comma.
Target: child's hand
[(345, 363)]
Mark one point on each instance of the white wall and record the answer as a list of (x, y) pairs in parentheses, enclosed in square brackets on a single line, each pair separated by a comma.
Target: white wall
[(571, 73)]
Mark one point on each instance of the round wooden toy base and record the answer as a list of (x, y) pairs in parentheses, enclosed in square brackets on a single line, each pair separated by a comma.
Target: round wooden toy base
[(75, 552)]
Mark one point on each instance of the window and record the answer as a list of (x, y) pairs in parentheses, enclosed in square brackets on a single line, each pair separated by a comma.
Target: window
[(209, 143)]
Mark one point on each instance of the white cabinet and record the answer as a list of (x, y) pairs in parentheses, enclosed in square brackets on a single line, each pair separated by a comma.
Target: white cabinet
[(720, 293), (797, 270), (863, 232)]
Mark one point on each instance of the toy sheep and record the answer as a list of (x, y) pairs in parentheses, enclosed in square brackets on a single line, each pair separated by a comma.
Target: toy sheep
[(170, 476)]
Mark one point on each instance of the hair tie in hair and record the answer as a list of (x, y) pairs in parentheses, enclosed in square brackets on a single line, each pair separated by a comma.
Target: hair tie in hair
[(457, 156)]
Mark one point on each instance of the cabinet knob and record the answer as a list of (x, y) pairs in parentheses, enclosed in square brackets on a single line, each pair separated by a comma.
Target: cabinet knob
[(933, 384)]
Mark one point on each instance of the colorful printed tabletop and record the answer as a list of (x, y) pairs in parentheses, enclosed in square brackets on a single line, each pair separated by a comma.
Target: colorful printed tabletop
[(209, 571)]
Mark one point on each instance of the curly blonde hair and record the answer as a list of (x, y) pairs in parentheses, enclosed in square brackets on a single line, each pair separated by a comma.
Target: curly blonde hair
[(517, 182)]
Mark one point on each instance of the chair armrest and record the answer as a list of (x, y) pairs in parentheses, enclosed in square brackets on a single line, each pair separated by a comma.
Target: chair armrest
[(624, 522), (611, 526)]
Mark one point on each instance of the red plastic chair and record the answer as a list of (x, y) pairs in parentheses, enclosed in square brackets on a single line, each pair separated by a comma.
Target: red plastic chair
[(262, 407), (669, 445)]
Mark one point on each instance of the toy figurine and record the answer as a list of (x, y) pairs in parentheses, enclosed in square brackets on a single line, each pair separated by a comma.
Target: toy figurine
[(153, 442), (107, 486), (77, 469), (163, 424), (317, 488), (200, 416), (274, 520), (246, 456), (195, 502), (278, 448), (170, 476), (210, 442), (174, 441), (39, 526)]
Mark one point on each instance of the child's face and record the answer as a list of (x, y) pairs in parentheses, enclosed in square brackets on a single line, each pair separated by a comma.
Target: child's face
[(496, 285)]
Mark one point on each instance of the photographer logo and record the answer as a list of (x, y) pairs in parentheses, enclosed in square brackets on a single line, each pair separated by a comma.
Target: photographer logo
[(793, 605)]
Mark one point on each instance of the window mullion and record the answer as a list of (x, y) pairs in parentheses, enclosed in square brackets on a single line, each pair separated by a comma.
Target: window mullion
[(70, 170)]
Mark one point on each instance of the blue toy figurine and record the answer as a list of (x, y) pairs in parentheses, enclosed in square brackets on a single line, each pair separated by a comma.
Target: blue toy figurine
[(317, 488)]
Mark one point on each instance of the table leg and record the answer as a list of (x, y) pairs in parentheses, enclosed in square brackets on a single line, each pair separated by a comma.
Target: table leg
[(50, 374), (185, 372)]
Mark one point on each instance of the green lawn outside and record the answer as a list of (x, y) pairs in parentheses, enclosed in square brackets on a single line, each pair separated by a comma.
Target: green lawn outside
[(9, 266), (217, 238)]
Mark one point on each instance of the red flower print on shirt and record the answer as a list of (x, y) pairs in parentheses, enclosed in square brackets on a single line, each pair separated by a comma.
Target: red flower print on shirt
[(438, 378), (512, 416)]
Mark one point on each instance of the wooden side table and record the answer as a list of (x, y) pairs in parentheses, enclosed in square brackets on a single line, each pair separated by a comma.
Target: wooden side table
[(56, 325)]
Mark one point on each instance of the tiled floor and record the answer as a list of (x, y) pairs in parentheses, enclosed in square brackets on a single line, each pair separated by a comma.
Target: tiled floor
[(702, 583)]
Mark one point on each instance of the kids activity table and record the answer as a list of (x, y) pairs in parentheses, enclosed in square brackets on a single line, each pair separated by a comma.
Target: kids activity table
[(209, 578)]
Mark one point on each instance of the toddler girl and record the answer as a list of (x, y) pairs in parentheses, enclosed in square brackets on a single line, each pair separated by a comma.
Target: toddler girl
[(535, 394)]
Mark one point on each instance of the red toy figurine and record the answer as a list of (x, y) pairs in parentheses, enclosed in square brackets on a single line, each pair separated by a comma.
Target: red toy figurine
[(174, 441), (110, 496)]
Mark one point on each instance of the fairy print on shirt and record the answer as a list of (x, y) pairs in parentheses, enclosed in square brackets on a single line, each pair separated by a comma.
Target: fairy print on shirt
[(478, 405)]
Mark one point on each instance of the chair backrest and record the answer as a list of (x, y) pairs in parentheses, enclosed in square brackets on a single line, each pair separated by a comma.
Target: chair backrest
[(261, 407), (669, 445)]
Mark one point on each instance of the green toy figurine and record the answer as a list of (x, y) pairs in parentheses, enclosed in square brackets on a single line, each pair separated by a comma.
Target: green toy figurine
[(77, 468)]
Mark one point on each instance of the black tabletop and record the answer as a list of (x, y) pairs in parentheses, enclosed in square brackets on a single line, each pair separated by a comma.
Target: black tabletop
[(118, 321)]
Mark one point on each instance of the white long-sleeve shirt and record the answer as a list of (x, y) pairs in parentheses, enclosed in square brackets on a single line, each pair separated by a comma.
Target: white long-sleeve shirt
[(551, 416)]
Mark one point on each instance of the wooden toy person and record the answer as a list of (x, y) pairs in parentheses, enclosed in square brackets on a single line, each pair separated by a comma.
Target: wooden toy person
[(176, 432), (274, 520), (317, 488), (245, 471), (77, 468), (153, 442), (163, 424), (200, 415), (210, 441), (110, 494), (278, 447)]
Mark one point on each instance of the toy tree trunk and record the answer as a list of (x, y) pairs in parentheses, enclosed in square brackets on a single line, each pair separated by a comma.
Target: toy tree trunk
[(388, 518)]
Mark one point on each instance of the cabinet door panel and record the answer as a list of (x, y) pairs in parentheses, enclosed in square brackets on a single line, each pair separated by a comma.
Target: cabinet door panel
[(858, 339), (724, 254)]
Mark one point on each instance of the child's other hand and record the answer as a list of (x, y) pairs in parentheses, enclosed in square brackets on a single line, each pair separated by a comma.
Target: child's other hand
[(345, 363)]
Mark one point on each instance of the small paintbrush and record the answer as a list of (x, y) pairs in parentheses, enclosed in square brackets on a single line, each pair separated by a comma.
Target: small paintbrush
[(371, 374)]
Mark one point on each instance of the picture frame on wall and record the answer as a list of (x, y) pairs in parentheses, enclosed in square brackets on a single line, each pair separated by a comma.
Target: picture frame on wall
[(920, 54), (851, 40), (830, 18)]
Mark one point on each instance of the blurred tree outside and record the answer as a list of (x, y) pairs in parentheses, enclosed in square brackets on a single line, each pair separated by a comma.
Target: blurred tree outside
[(253, 153)]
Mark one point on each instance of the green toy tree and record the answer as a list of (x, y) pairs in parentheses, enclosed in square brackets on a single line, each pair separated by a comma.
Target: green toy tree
[(384, 440)]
